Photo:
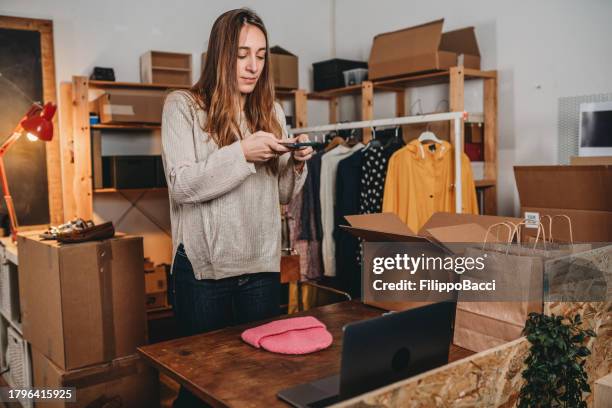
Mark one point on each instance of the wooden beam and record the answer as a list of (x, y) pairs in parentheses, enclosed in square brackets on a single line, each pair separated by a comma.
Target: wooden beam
[(456, 95), (301, 109), (367, 107), (476, 73), (333, 110), (54, 175), (67, 150), (490, 142), (82, 188)]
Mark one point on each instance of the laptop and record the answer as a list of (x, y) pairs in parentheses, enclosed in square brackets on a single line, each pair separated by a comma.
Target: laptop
[(380, 351)]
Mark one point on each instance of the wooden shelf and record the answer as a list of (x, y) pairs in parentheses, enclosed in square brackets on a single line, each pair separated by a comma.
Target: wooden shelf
[(485, 183), (400, 83), (133, 85), (116, 190), (171, 69), (430, 78), (135, 126), (455, 77), (281, 93)]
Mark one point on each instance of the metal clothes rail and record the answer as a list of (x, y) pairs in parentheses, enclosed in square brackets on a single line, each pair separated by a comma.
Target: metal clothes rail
[(455, 117)]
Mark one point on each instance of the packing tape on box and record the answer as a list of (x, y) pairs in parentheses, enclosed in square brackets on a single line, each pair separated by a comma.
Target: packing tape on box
[(113, 109), (105, 258)]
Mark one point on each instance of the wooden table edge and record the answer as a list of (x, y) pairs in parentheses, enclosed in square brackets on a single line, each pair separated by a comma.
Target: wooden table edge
[(215, 402)]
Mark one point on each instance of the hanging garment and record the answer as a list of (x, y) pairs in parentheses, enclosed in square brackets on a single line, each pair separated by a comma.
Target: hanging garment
[(420, 182), (311, 207), (348, 190), (329, 168), (295, 228), (373, 175), (311, 230)]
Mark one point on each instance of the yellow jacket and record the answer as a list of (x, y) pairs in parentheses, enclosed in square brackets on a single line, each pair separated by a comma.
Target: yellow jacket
[(420, 182)]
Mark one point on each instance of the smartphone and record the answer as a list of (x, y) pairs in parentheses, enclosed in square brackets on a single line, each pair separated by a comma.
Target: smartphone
[(298, 145)]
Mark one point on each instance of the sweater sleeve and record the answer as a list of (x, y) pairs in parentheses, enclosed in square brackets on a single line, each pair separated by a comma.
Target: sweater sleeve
[(289, 182), (190, 180)]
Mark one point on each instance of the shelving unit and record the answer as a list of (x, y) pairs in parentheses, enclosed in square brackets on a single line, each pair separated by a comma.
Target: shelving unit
[(161, 67), (76, 143), (456, 78), (126, 127)]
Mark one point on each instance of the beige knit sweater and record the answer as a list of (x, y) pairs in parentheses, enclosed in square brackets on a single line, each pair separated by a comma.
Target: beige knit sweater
[(223, 209)]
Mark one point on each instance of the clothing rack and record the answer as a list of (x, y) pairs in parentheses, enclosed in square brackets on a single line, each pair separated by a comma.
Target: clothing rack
[(455, 117)]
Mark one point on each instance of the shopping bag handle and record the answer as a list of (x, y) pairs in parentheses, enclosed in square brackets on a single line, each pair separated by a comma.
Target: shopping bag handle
[(499, 224), (540, 229), (569, 224), (550, 224)]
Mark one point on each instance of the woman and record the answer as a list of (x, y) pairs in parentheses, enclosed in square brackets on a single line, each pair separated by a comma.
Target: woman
[(227, 174)]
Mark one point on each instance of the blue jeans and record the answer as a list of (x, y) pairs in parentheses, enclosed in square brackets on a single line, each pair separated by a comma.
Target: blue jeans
[(209, 304)]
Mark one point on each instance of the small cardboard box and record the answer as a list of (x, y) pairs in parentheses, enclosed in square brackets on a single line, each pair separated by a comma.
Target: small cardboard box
[(82, 304), (123, 382), (441, 230), (156, 280), (131, 106), (284, 68), (422, 48), (584, 193)]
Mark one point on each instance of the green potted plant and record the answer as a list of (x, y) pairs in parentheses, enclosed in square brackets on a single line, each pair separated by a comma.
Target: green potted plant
[(555, 375)]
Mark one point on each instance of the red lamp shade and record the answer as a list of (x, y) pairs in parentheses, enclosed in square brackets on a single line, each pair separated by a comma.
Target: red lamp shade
[(39, 123)]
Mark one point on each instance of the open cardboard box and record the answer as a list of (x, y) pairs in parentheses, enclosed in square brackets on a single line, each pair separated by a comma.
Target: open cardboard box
[(422, 48), (583, 192), (441, 230)]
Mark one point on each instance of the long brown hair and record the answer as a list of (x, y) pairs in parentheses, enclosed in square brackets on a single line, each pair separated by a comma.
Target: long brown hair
[(217, 93)]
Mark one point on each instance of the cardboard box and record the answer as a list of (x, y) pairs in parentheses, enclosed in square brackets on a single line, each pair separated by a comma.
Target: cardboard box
[(441, 230), (82, 304), (602, 394), (284, 68), (422, 48), (156, 280), (584, 193), (131, 106), (590, 160), (123, 382), (444, 219)]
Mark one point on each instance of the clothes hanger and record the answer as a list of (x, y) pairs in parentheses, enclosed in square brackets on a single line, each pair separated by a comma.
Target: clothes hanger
[(373, 141), (336, 141), (429, 136), (352, 140), (395, 138)]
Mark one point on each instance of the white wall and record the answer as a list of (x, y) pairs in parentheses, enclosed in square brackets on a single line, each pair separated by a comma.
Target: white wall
[(115, 33), (542, 50)]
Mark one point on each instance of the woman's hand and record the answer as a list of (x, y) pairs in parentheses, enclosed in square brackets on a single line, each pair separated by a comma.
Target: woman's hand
[(303, 154), (261, 147)]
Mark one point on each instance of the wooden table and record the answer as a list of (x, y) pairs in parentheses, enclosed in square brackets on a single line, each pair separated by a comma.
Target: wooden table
[(222, 370)]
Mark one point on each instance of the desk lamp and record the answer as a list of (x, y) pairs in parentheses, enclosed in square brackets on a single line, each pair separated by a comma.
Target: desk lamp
[(37, 124)]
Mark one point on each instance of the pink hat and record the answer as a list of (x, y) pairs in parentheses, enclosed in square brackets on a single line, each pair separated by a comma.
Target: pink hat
[(296, 335)]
